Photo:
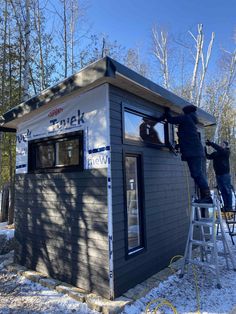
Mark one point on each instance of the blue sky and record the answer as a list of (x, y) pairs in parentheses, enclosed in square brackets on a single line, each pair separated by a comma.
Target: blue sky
[(130, 21)]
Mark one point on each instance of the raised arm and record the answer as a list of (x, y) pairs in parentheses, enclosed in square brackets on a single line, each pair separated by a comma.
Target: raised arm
[(173, 120), (218, 148), (209, 156)]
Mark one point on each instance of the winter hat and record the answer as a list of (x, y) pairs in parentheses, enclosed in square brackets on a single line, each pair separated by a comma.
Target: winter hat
[(189, 109)]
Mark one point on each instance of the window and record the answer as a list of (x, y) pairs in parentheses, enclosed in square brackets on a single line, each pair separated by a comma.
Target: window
[(134, 212), (59, 152), (143, 128)]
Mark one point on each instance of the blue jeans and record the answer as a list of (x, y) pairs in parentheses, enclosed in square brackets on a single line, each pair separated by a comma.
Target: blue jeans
[(224, 185), (196, 167)]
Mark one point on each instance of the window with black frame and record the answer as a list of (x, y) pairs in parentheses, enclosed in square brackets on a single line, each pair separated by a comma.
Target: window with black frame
[(59, 152), (134, 206), (143, 128)]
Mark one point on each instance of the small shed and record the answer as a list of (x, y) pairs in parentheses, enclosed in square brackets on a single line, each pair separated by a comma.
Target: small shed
[(102, 201)]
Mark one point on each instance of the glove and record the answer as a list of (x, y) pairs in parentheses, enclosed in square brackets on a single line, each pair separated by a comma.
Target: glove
[(208, 143)]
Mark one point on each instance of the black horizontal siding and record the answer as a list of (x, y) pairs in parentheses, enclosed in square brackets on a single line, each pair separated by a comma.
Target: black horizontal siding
[(166, 200), (61, 226), (64, 268)]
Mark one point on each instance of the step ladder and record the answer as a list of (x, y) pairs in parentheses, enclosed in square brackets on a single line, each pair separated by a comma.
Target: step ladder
[(229, 216), (230, 221), (206, 231)]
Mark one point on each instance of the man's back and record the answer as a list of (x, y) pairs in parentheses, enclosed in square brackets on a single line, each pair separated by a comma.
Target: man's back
[(189, 140), (220, 160)]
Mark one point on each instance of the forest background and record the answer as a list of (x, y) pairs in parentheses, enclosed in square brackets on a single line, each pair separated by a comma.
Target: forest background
[(44, 41)]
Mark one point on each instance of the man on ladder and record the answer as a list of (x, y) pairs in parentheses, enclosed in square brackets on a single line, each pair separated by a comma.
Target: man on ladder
[(221, 167), (192, 151), (191, 148)]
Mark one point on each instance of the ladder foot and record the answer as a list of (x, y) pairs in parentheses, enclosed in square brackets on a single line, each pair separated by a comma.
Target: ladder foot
[(234, 269), (218, 286)]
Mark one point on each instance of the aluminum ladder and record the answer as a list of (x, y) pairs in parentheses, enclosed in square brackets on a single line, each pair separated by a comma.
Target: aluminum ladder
[(206, 231), (229, 216)]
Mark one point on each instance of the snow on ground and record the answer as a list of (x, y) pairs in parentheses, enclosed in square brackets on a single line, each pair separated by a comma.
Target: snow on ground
[(9, 233), (3, 224), (181, 293), (22, 296)]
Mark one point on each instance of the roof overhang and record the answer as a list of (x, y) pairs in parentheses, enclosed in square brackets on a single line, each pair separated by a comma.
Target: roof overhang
[(105, 70)]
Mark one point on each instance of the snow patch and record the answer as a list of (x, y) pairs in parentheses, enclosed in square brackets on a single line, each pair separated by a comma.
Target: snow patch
[(9, 233)]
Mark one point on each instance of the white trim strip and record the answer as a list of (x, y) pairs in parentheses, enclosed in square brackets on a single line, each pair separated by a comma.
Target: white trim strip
[(109, 204)]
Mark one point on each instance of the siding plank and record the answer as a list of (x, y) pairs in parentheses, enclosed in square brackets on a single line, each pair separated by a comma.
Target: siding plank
[(166, 201), (61, 226)]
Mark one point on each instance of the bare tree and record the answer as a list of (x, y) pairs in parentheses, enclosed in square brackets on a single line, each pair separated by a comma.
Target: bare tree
[(205, 63), (3, 76), (133, 60), (65, 40), (24, 42), (68, 16), (193, 87), (4, 47), (27, 51), (38, 23), (74, 9), (160, 51), (226, 84), (199, 46)]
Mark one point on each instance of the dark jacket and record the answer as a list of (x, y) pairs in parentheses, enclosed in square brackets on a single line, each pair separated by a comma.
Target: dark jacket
[(189, 140), (220, 159)]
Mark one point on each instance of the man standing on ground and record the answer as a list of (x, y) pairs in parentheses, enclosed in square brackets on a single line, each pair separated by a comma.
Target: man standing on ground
[(191, 148), (221, 167)]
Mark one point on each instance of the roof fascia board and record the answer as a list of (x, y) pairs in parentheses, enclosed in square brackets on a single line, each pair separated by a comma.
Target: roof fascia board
[(95, 71), (205, 118), (102, 70)]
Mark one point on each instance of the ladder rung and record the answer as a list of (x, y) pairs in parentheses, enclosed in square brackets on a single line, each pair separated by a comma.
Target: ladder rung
[(202, 243), (231, 222), (202, 223), (202, 264), (223, 254), (203, 205)]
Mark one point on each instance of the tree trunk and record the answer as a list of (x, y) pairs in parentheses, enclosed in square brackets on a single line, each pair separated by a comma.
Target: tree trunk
[(229, 81), (27, 52), (37, 22), (65, 39), (204, 70), (199, 46), (160, 51)]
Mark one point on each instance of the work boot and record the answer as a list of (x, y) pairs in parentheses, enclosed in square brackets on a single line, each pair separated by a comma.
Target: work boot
[(205, 197)]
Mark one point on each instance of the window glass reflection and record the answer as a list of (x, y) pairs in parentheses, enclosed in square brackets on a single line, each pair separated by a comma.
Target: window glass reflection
[(144, 129), (133, 206), (45, 156), (63, 151), (67, 152)]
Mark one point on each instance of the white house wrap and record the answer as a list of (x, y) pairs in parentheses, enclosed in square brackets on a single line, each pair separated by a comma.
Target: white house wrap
[(87, 112)]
